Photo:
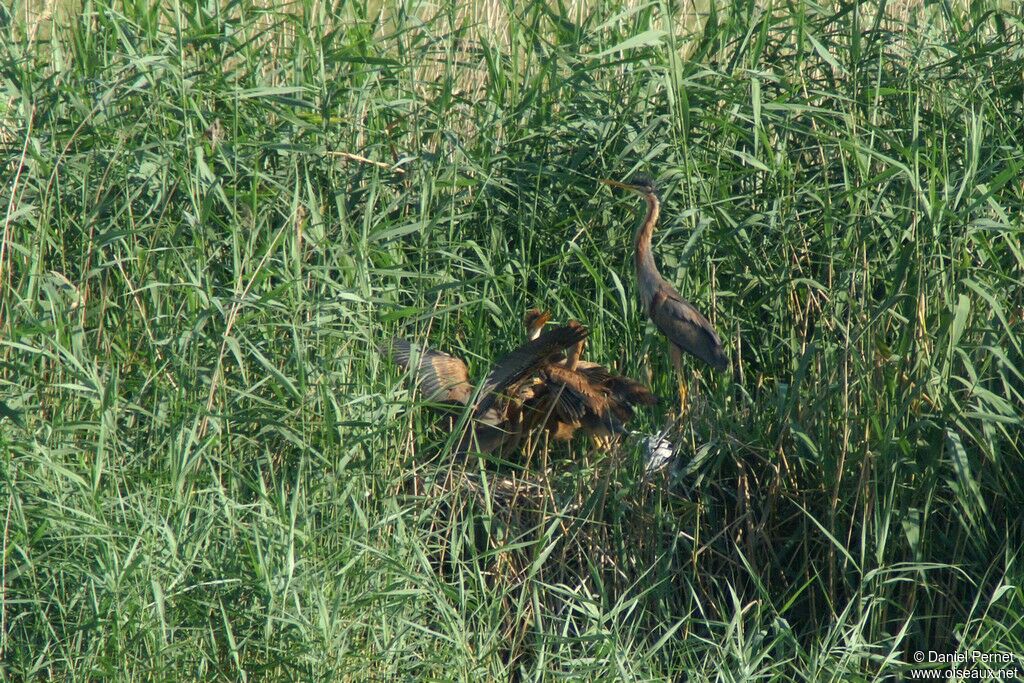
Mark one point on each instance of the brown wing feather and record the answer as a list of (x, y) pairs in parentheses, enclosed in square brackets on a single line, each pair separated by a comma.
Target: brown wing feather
[(526, 360), (631, 391), (620, 386), (593, 371), (555, 403), (687, 328), (441, 377), (575, 385), (604, 412), (556, 409)]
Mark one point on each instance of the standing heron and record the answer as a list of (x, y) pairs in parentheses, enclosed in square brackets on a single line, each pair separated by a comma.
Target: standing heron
[(684, 326), (496, 422)]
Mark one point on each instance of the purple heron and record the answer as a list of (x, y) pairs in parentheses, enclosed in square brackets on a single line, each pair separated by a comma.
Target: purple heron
[(496, 422), (578, 394), (684, 326)]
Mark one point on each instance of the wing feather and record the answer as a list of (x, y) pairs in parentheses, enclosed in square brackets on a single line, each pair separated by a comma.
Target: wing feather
[(632, 391), (526, 360), (441, 377), (687, 328), (625, 390), (591, 396)]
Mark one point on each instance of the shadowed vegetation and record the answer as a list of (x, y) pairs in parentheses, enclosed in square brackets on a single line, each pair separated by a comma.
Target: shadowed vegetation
[(213, 212)]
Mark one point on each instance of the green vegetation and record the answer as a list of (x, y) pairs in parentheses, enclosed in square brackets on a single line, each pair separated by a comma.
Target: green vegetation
[(212, 211)]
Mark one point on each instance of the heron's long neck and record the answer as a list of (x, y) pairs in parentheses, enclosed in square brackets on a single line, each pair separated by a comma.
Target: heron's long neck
[(572, 357), (642, 254)]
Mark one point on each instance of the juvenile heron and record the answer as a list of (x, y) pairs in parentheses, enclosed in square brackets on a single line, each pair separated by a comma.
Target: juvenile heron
[(578, 394), (496, 422), (684, 326)]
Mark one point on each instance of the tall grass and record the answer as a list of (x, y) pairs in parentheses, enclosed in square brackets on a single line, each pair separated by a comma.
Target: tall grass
[(212, 211)]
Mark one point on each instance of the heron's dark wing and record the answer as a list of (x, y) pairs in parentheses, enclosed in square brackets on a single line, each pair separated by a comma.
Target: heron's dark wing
[(687, 328), (527, 360), (556, 408), (604, 412), (619, 385), (442, 377), (630, 390), (624, 393), (573, 391), (593, 371)]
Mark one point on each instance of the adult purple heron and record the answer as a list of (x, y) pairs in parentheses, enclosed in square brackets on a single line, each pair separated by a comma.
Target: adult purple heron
[(684, 326), (496, 421)]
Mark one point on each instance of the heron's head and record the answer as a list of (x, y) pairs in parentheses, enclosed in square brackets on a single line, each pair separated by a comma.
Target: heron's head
[(640, 184), (534, 320)]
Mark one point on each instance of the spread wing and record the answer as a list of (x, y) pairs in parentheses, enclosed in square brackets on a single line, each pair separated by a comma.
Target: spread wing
[(624, 389), (604, 411), (595, 372), (574, 395), (526, 360), (687, 328), (631, 391), (442, 378)]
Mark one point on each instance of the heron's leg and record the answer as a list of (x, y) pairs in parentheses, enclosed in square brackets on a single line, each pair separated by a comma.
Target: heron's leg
[(677, 362)]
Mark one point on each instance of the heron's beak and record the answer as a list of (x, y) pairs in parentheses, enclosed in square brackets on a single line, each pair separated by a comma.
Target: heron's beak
[(621, 186)]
